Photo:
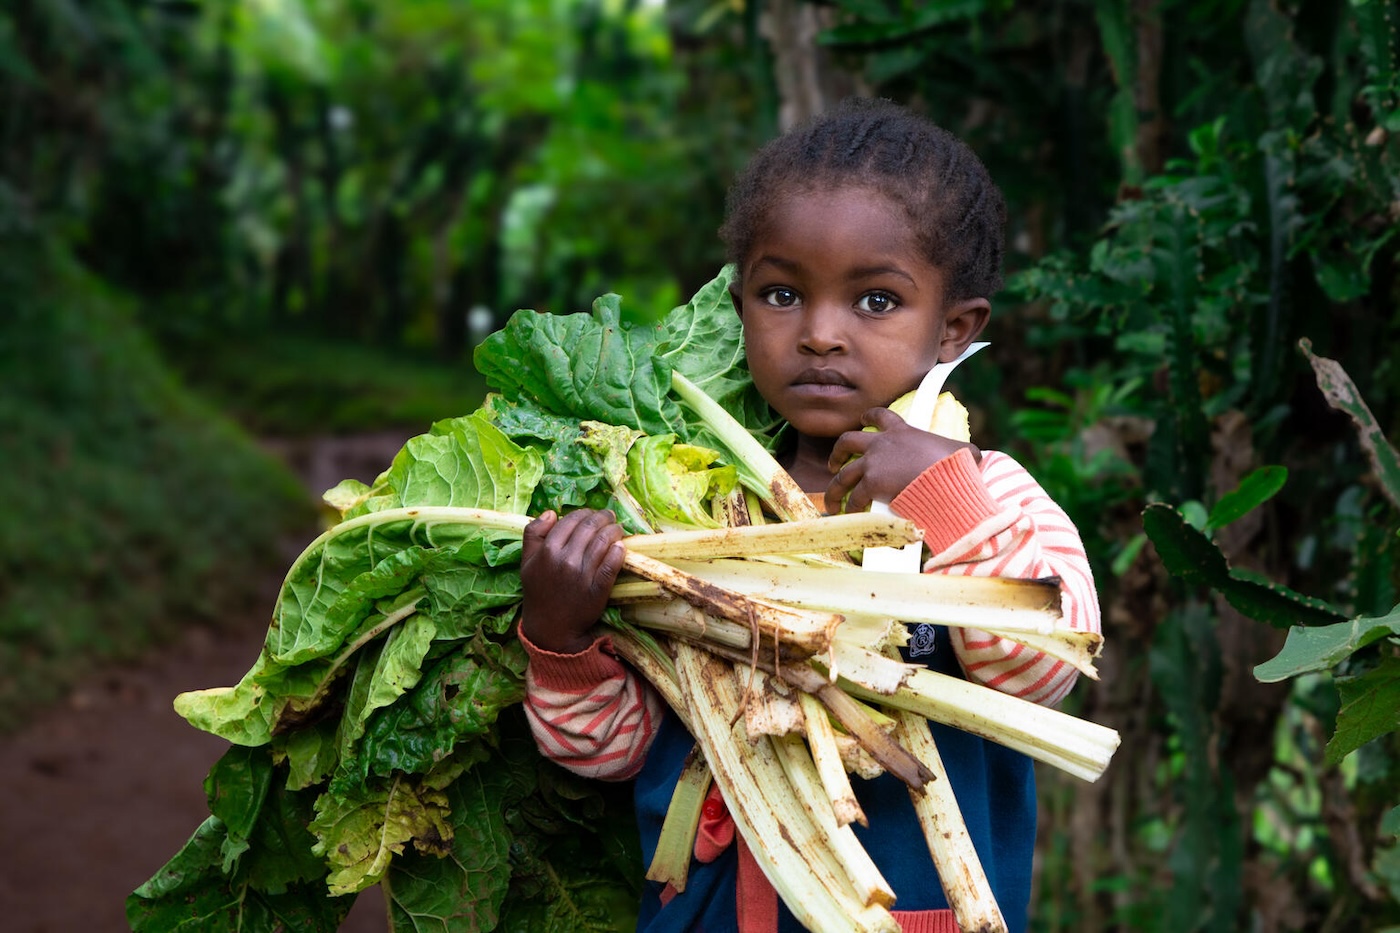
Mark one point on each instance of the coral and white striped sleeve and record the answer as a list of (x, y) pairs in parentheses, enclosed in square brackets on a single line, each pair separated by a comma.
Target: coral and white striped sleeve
[(590, 712), (993, 519)]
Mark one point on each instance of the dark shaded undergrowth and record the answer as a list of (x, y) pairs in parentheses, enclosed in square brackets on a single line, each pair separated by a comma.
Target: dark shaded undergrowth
[(131, 507)]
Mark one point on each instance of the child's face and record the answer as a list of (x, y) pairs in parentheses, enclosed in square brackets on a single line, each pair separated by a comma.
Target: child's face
[(841, 311)]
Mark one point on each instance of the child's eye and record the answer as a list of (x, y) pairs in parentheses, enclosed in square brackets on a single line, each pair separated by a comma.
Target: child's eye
[(779, 296), (877, 303)]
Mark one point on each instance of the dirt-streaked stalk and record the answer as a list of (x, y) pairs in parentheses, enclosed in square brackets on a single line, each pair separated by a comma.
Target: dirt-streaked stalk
[(870, 885), (838, 532), (1002, 603), (799, 629), (960, 871), (779, 828)]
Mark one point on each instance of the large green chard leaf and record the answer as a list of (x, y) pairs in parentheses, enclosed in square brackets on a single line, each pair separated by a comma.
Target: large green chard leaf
[(191, 895), (236, 787), (334, 587), (470, 464), (589, 366), (594, 367), (463, 890), (703, 341), (571, 473)]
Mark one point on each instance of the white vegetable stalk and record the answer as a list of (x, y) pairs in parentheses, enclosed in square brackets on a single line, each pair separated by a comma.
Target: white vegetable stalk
[(960, 871), (1010, 605), (838, 532), (786, 841), (826, 756), (1073, 745), (803, 774)]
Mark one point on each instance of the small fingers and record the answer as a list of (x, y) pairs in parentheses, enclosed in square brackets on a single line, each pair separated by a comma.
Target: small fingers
[(847, 448), (609, 565)]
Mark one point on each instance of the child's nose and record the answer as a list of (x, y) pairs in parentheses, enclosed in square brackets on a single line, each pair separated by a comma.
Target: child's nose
[(822, 331)]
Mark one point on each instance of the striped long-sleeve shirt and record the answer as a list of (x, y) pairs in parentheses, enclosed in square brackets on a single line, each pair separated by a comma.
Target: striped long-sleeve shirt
[(592, 714)]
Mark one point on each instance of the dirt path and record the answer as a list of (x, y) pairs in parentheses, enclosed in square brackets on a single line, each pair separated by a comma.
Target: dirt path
[(101, 789)]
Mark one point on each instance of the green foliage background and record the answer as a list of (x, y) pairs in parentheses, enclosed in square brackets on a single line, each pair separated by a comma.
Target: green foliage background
[(228, 219)]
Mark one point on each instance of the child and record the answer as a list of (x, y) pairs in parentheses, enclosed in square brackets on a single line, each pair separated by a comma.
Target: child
[(868, 244)]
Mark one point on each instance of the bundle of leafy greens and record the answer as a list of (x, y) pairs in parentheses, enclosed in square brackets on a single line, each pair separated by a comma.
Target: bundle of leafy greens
[(378, 737)]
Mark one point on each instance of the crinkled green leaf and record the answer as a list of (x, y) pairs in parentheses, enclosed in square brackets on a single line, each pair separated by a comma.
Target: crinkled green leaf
[(333, 587), (589, 366), (354, 714), (246, 713), (464, 596), (463, 890), (594, 367), (460, 696), (468, 462), (571, 473), (276, 886), (359, 832), (282, 856), (392, 574), (398, 666), (674, 483), (309, 753), (610, 445), (348, 496)]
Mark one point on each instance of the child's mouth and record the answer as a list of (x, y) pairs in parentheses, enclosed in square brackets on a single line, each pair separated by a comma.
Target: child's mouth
[(822, 378), (821, 384)]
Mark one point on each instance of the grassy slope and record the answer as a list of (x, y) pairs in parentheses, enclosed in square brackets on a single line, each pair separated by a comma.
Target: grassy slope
[(130, 507)]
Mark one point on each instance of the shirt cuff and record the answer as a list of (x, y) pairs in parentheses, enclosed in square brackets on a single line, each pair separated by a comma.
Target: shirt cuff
[(947, 500), (572, 672)]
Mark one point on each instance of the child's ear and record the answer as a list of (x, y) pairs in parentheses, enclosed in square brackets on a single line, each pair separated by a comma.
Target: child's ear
[(962, 325)]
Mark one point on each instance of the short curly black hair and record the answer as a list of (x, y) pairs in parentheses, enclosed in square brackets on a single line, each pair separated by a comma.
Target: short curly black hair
[(957, 211)]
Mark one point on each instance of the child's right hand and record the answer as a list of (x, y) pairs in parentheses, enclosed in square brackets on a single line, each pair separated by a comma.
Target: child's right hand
[(567, 569)]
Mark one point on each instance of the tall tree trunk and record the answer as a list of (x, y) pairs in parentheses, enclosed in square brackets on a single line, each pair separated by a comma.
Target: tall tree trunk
[(808, 77), (1152, 125)]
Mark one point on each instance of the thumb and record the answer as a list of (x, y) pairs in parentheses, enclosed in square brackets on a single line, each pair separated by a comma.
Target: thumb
[(881, 418)]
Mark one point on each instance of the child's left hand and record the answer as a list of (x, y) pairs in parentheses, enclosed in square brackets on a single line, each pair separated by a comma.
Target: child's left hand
[(877, 465)]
